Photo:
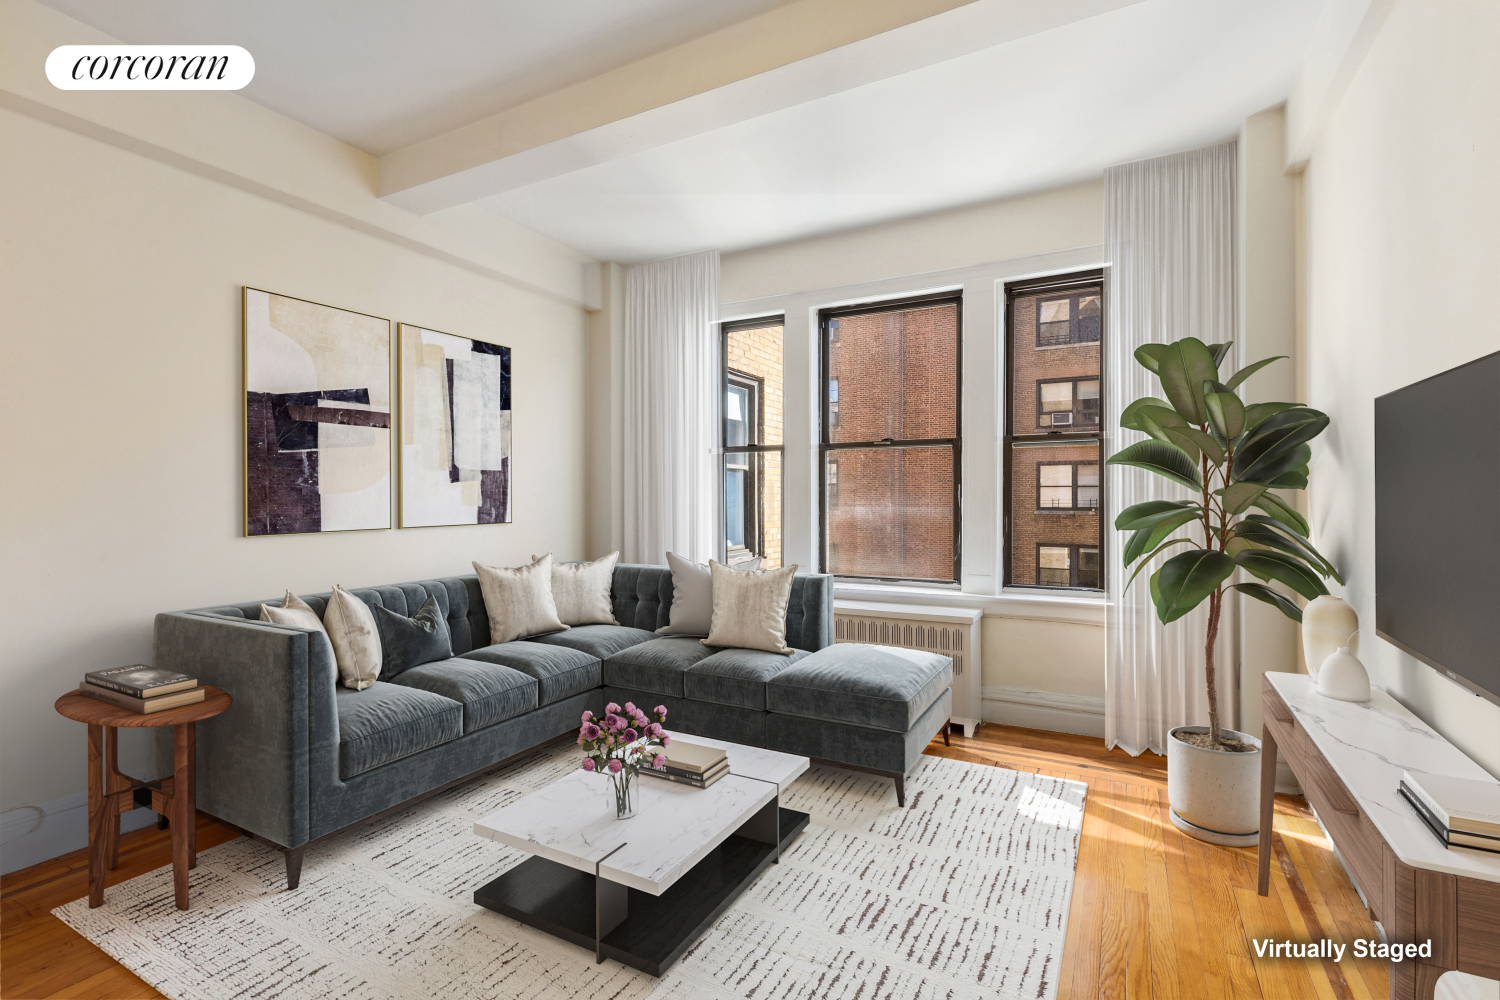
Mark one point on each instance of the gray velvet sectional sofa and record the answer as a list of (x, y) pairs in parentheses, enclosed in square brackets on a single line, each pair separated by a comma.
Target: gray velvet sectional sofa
[(299, 758)]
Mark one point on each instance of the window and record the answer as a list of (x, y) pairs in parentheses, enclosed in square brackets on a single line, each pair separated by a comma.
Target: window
[(1067, 486), (1067, 566), (752, 437), (890, 445), (1069, 319), (1054, 490)]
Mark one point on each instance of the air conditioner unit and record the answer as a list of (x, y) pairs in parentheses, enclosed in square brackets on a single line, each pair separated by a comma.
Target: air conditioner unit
[(952, 632), (1061, 418)]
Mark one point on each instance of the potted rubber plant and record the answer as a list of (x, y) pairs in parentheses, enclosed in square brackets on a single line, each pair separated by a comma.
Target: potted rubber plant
[(1234, 458)]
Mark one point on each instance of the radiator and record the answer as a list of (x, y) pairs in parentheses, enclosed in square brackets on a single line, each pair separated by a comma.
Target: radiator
[(952, 632)]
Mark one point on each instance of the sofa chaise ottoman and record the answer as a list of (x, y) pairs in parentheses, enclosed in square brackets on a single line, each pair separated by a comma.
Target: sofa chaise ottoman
[(300, 758)]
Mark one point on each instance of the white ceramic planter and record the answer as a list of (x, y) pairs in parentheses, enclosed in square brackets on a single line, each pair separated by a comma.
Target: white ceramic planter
[(1215, 796)]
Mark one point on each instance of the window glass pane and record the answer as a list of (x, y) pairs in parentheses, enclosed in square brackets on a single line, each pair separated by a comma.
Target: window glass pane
[(896, 375), (1089, 389), (1088, 567), (1056, 475), (894, 516), (736, 414), (1057, 396), (1088, 475), (1054, 496), (1089, 318), (753, 508), (1042, 352), (1056, 515), (1055, 310), (734, 507), (1053, 565), (756, 353), (1088, 497)]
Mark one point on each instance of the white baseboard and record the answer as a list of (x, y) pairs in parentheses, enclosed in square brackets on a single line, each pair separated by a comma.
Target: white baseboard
[(1059, 713), (30, 835)]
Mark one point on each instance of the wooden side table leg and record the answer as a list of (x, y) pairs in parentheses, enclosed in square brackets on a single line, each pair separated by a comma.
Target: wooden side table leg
[(182, 809), (113, 782), (98, 837), (192, 830), (1267, 809)]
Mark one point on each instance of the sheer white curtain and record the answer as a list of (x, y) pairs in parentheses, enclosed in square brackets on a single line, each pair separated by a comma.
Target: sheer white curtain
[(1169, 233), (671, 390)]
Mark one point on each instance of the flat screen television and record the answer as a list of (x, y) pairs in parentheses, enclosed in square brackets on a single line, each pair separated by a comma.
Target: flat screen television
[(1437, 523)]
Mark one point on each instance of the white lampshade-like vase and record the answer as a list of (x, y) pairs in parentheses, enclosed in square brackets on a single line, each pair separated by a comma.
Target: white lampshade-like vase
[(1342, 676), (1327, 624)]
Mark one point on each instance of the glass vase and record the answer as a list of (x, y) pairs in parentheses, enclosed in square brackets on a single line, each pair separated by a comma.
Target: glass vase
[(622, 787)]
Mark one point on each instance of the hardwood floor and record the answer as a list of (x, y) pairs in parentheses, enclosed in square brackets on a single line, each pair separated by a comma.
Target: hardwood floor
[(1154, 913)]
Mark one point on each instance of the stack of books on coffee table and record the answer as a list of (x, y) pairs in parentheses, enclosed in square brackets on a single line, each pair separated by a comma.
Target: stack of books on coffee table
[(142, 689), (691, 764), (1461, 812)]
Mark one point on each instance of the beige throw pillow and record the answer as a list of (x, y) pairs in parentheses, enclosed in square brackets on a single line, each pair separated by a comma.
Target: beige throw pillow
[(294, 611), (581, 591), (693, 595), (750, 608), (519, 600), (356, 643)]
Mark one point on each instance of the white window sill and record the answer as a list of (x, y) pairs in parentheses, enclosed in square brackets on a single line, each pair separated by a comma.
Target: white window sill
[(1013, 603)]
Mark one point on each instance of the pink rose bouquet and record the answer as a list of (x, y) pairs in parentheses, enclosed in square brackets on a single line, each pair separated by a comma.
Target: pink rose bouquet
[(620, 744)]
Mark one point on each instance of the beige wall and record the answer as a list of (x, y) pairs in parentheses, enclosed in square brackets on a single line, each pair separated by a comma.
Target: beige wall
[(1401, 215), (120, 406)]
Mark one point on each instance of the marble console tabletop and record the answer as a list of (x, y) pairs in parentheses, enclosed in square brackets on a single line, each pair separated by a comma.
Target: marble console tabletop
[(572, 820), (1369, 745)]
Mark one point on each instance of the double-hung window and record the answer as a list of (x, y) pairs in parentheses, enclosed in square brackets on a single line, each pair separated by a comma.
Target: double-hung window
[(1054, 487), (752, 438), (891, 445)]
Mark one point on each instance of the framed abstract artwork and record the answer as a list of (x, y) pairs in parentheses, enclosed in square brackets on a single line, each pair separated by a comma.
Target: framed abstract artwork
[(317, 417), (455, 429)]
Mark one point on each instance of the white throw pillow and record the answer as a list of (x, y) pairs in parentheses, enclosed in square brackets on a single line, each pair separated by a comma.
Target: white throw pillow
[(693, 596), (356, 643), (749, 609), (294, 611), (581, 591), (519, 600)]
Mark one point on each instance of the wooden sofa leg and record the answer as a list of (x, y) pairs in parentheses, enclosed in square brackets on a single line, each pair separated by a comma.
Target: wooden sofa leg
[(901, 790), (294, 867), (947, 728)]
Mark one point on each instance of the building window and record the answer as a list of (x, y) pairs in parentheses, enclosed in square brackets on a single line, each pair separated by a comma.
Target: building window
[(1069, 319), (1053, 487), (1067, 486), (1067, 566), (752, 440), (890, 439)]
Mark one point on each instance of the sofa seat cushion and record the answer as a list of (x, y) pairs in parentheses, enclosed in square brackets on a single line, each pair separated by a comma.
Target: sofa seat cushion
[(657, 666), (601, 641), (386, 722), (882, 687), (737, 676), (560, 672), (488, 692)]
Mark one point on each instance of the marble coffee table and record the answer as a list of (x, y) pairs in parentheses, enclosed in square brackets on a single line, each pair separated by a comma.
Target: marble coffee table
[(642, 890)]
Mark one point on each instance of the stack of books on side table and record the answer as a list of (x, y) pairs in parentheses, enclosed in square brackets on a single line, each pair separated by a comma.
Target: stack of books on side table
[(1460, 812), (691, 764), (141, 688)]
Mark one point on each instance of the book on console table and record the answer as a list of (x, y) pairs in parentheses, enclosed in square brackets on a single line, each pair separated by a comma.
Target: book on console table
[(693, 781), (144, 706), (1462, 804), (1447, 837), (141, 681)]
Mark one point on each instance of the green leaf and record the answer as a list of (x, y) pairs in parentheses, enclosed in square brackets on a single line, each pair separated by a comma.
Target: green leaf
[(1181, 388), (1165, 460), (1144, 515), (1236, 545), (1156, 587), (1183, 436), (1255, 413), (1187, 578), (1149, 355), (1298, 537), (1289, 481), (1281, 510), (1240, 496), (1225, 411), (1127, 418), (1278, 566), (1149, 538), (1220, 352), (1277, 600), (1259, 457), (1147, 561), (1245, 372), (1266, 536), (1147, 419)]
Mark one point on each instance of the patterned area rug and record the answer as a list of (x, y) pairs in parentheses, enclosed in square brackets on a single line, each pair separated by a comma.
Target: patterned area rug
[(964, 893)]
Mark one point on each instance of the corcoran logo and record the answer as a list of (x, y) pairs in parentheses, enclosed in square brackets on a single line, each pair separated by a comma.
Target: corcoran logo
[(150, 67)]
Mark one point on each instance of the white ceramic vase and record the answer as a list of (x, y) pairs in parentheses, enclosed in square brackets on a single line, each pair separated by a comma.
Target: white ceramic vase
[(1215, 795), (1327, 624), (1342, 676)]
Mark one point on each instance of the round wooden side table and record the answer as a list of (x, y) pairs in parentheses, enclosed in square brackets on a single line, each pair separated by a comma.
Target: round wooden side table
[(111, 793)]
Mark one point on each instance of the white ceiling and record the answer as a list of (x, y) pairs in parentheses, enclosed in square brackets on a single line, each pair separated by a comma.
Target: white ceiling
[(382, 74), (1042, 110)]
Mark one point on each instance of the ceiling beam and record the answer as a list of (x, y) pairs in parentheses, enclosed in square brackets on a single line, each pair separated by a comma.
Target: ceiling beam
[(790, 55)]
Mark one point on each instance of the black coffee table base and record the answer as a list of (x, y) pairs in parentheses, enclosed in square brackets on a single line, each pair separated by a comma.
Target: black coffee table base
[(568, 903)]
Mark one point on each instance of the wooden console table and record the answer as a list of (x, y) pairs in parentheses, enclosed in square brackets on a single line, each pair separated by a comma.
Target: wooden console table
[(1349, 758), (111, 793)]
